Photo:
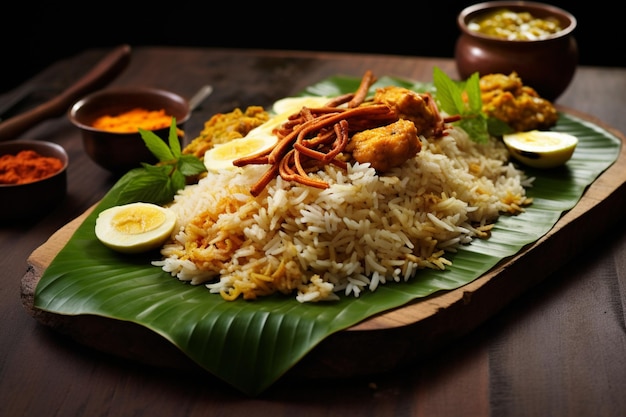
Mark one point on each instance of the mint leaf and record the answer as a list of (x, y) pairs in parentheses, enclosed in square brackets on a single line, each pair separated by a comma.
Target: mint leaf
[(464, 98), (149, 184), (448, 93), (173, 140), (474, 97), (159, 183), (177, 182), (190, 165), (156, 145), (498, 127), (476, 128)]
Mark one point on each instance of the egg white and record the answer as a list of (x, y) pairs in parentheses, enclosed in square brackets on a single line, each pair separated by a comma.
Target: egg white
[(261, 138), (290, 105), (135, 227), (541, 149)]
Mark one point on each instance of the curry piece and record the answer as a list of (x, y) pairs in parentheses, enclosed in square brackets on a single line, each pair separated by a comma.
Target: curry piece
[(421, 109), (506, 98), (224, 127), (387, 146)]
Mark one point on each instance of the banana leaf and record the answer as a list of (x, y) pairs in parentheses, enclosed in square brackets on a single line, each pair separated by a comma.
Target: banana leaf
[(250, 345)]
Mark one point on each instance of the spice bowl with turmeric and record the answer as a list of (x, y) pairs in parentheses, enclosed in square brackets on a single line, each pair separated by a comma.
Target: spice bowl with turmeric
[(110, 119), (33, 179)]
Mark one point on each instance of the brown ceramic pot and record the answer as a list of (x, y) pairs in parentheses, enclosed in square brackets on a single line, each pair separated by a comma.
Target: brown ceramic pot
[(548, 65), (120, 152)]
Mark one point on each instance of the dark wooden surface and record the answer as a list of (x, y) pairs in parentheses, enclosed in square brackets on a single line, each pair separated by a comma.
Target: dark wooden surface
[(425, 29), (558, 350)]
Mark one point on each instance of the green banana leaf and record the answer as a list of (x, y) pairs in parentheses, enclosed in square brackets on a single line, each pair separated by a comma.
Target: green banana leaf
[(250, 345)]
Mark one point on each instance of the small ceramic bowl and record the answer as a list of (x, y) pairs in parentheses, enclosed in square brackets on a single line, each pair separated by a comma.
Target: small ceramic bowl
[(119, 152), (545, 63), (32, 199)]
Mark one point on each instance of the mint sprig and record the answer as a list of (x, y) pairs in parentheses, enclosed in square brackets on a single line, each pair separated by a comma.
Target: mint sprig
[(463, 98), (159, 183)]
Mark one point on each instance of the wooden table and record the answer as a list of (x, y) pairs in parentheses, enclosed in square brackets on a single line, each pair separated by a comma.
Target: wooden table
[(558, 350)]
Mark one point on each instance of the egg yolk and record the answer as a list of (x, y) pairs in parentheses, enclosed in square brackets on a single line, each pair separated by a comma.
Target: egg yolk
[(136, 220), (238, 148)]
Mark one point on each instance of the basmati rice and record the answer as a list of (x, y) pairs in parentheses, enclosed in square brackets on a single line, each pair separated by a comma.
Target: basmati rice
[(365, 230)]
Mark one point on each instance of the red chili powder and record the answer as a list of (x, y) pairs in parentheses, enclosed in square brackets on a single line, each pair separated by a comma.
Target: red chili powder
[(27, 166)]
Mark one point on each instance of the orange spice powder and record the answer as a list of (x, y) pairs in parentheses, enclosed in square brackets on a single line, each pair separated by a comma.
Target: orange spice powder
[(27, 166), (134, 119)]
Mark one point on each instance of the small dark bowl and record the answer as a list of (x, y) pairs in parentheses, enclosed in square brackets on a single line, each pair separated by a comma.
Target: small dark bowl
[(120, 152), (547, 64), (33, 199)]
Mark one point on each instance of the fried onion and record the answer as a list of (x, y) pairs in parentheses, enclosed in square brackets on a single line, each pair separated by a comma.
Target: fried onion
[(314, 137)]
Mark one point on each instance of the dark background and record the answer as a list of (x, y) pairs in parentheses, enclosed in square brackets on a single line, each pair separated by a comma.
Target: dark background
[(35, 36)]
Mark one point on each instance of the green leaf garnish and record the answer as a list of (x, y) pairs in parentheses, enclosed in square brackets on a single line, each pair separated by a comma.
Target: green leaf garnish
[(159, 183), (498, 127), (476, 128), (173, 140), (149, 184), (156, 145), (190, 165), (463, 98)]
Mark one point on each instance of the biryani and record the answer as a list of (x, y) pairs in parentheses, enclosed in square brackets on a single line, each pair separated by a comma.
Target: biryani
[(363, 228)]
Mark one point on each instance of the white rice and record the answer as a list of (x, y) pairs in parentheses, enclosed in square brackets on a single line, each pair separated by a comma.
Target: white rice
[(365, 230)]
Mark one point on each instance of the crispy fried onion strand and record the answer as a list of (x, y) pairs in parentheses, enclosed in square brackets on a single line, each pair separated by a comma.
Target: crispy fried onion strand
[(314, 137)]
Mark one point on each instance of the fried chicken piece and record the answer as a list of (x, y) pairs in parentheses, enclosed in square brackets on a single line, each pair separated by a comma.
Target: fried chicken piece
[(387, 146), (506, 98), (421, 109)]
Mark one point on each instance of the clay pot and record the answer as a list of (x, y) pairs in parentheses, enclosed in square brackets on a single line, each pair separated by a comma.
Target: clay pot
[(120, 152), (547, 65)]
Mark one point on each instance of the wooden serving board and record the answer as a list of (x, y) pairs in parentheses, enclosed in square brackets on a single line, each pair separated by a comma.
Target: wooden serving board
[(408, 332)]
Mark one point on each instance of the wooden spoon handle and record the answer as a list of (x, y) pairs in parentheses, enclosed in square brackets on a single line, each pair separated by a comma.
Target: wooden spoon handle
[(100, 75)]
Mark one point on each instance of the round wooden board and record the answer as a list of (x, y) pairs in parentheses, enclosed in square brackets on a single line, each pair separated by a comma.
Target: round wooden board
[(405, 333)]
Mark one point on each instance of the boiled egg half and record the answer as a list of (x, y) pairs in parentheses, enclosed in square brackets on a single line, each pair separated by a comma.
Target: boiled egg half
[(135, 227), (289, 105), (261, 138), (221, 156), (541, 149)]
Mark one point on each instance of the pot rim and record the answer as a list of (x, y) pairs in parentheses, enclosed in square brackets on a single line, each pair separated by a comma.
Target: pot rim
[(125, 93), (545, 9)]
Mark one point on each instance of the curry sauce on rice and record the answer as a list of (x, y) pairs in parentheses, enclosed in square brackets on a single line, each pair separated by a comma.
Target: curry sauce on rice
[(348, 226)]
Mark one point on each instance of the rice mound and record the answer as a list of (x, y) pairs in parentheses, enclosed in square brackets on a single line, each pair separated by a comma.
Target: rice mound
[(363, 231)]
